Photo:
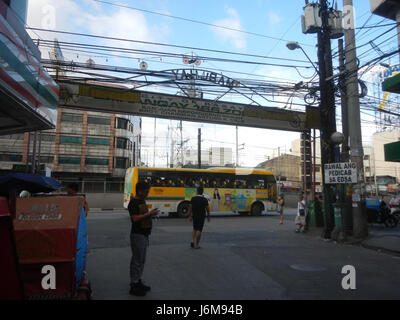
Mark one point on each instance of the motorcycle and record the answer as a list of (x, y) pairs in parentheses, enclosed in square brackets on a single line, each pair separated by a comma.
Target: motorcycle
[(379, 212)]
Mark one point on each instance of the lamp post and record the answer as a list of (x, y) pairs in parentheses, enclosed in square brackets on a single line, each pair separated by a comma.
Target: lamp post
[(293, 45)]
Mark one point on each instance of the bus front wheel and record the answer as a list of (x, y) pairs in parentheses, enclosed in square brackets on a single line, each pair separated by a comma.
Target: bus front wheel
[(183, 210), (257, 209)]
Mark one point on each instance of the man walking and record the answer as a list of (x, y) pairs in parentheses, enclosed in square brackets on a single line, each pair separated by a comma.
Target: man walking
[(199, 206), (141, 229)]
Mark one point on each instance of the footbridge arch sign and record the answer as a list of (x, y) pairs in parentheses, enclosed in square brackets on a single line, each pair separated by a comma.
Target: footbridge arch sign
[(125, 101)]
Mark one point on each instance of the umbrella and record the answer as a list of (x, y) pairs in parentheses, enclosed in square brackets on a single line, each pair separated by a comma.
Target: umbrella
[(30, 182)]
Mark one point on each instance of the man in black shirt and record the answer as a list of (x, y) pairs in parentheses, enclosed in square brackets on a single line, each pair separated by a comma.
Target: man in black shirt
[(141, 219), (197, 212)]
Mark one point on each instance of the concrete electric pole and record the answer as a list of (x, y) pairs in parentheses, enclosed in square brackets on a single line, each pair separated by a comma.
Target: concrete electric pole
[(360, 226)]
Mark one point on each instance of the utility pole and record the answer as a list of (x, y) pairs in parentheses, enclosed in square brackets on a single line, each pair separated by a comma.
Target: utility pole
[(199, 150), (345, 193), (328, 113), (155, 138), (360, 226), (237, 147), (345, 123)]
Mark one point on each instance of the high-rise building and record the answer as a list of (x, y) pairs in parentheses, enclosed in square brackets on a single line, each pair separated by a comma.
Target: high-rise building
[(221, 157), (213, 157)]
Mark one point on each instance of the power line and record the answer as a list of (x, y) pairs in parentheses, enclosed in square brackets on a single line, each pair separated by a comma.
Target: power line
[(166, 45)]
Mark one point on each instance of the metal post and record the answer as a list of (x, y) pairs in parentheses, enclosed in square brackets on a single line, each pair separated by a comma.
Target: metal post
[(182, 156), (199, 149), (279, 170), (39, 151), (398, 27), (28, 153), (34, 153), (237, 147), (155, 138), (360, 226)]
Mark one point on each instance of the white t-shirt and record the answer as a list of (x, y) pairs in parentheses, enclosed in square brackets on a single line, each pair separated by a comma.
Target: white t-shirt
[(303, 202)]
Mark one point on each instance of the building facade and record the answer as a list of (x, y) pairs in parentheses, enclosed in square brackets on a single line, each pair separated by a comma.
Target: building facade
[(213, 157), (84, 145), (385, 172)]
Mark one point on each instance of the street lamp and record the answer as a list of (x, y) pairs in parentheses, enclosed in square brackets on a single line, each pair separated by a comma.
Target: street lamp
[(293, 45)]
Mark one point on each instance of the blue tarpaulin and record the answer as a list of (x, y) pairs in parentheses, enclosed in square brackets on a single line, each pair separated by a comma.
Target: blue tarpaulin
[(33, 183), (81, 248)]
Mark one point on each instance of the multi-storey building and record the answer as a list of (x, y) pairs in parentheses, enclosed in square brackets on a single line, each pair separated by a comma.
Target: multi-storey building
[(213, 157), (85, 146)]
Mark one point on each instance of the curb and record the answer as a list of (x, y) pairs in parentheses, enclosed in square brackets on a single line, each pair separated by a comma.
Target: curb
[(360, 243), (380, 249)]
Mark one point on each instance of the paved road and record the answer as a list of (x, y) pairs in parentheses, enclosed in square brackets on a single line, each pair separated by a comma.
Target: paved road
[(242, 258)]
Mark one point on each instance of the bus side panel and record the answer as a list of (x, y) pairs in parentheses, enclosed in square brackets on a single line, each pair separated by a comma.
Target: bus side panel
[(165, 207), (231, 200), (166, 199), (128, 186)]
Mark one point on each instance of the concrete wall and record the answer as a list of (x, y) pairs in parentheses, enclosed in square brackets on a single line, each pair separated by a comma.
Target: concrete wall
[(105, 201)]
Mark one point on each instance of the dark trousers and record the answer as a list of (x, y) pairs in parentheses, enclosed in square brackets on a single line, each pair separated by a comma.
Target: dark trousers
[(139, 245)]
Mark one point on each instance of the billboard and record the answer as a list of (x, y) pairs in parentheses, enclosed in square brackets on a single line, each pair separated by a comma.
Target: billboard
[(146, 104)]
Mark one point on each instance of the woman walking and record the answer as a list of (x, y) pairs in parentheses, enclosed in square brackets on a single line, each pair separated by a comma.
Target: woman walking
[(281, 204)]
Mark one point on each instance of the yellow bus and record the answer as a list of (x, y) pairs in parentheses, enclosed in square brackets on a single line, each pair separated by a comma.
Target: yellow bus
[(240, 191)]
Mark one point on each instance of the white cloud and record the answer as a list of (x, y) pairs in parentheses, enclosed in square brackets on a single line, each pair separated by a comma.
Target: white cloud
[(99, 20), (237, 39)]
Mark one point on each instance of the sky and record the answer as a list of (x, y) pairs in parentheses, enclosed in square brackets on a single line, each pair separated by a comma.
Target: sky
[(272, 19)]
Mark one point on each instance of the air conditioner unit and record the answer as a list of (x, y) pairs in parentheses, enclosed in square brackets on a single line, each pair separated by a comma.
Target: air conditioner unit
[(311, 21)]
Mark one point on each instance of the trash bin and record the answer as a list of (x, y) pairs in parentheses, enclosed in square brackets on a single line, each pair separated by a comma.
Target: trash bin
[(338, 209), (315, 214)]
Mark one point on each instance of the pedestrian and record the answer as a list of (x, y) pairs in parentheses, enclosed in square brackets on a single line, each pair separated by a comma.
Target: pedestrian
[(141, 219), (72, 190), (301, 215), (281, 204), (198, 209)]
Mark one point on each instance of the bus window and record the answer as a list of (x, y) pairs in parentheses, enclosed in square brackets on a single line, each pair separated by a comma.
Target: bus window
[(257, 182), (241, 182)]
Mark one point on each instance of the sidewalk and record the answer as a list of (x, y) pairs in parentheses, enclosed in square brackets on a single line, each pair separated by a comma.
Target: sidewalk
[(385, 243), (385, 240)]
